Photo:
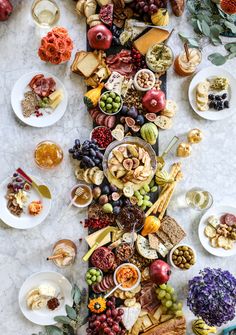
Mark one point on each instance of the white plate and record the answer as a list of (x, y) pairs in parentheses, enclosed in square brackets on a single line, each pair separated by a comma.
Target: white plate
[(17, 95), (25, 221), (203, 75), (44, 316), (216, 211)]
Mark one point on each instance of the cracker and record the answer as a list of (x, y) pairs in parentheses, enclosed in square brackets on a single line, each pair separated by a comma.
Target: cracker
[(210, 231)]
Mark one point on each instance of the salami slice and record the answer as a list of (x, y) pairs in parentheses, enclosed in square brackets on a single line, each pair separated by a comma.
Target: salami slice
[(95, 288), (222, 219), (230, 219)]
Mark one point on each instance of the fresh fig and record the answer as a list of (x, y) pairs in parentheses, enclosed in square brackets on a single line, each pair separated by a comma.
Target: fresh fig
[(129, 121), (103, 199), (115, 196), (128, 164), (133, 200), (135, 128), (135, 162), (133, 112), (151, 117), (96, 192), (140, 120)]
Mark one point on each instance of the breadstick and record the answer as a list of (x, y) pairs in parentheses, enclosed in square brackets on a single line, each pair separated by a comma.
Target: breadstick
[(175, 169), (162, 213), (156, 204), (167, 192)]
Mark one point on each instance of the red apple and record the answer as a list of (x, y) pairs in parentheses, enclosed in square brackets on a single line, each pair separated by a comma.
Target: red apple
[(159, 272), (5, 9)]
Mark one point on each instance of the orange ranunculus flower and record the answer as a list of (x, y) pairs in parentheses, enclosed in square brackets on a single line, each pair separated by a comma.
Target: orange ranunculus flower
[(49, 34), (69, 43), (52, 39), (66, 56), (56, 59), (42, 54), (60, 31), (44, 42), (61, 45), (51, 50)]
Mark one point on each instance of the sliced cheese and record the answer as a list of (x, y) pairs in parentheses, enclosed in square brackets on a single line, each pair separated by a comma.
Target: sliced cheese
[(56, 102), (153, 36), (91, 239), (55, 95)]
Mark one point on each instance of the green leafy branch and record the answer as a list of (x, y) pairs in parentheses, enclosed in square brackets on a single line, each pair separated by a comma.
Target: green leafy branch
[(210, 22), (73, 320)]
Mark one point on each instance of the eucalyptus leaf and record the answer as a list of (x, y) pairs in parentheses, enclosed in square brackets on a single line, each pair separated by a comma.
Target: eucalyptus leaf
[(191, 7), (199, 25), (228, 46), (191, 41), (217, 59), (205, 28), (71, 312), (53, 330), (231, 26), (76, 294), (232, 55), (216, 41), (233, 49), (63, 319)]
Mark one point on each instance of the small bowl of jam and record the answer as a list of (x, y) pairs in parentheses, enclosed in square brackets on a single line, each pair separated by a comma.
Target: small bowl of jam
[(81, 195)]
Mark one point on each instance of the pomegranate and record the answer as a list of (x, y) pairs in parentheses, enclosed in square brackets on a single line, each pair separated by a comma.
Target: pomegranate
[(154, 100), (6, 9), (99, 37), (159, 272)]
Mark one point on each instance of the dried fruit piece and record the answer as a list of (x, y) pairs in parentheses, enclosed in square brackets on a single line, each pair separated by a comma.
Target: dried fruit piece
[(128, 164), (151, 117)]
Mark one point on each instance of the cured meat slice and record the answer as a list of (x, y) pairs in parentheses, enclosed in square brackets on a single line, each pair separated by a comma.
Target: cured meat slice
[(34, 79), (121, 63), (42, 86), (230, 219)]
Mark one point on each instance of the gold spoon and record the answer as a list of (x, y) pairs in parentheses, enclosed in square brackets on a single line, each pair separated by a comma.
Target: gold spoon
[(161, 159)]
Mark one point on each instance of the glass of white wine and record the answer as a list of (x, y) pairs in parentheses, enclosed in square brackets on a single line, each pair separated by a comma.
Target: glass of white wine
[(45, 13), (199, 199)]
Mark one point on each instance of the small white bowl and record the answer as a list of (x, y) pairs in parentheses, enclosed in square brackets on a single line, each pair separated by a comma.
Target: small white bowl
[(170, 261), (142, 89), (107, 113), (90, 192), (138, 281), (91, 134)]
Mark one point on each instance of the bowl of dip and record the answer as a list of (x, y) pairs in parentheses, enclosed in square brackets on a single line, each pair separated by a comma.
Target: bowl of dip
[(84, 199), (129, 275), (159, 57)]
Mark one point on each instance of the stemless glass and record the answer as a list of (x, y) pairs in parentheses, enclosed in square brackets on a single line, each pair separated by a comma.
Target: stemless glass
[(48, 155), (199, 199), (45, 13)]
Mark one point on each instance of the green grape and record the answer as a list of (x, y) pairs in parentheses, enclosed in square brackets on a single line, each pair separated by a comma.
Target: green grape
[(174, 297), (161, 294), (94, 278), (152, 183), (170, 289), (98, 273), (163, 301), (154, 189), (175, 307), (88, 275), (179, 313), (146, 197), (143, 207), (140, 202), (180, 306), (146, 188), (158, 290), (145, 202), (142, 191), (168, 296), (168, 303), (163, 286), (93, 271), (137, 194), (149, 204), (89, 282)]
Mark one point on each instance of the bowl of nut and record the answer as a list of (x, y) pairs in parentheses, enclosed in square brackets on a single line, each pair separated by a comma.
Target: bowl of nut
[(144, 80), (182, 257)]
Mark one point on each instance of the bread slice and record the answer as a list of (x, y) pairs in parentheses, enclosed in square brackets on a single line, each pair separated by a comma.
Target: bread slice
[(203, 88), (170, 109), (163, 122), (78, 57), (171, 228), (86, 65)]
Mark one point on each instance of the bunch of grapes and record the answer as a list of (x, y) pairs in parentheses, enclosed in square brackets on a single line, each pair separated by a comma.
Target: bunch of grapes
[(87, 153), (108, 323), (138, 59), (166, 294), (149, 6)]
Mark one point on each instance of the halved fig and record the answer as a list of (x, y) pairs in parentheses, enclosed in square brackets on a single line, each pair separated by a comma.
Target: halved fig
[(135, 128), (129, 121), (128, 164), (151, 117), (136, 162)]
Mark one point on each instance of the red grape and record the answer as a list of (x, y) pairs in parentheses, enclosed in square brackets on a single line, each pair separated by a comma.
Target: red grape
[(109, 321), (102, 318), (120, 311), (97, 323), (108, 312), (106, 330), (116, 328), (114, 312)]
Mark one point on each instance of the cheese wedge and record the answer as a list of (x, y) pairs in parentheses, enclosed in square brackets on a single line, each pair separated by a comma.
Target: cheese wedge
[(91, 239), (153, 36)]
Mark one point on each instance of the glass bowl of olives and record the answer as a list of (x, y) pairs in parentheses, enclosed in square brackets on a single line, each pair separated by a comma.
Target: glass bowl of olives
[(110, 103), (182, 257)]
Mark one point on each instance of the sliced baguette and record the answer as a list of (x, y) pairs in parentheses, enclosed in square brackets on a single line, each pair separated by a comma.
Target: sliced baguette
[(170, 109), (163, 122), (202, 88)]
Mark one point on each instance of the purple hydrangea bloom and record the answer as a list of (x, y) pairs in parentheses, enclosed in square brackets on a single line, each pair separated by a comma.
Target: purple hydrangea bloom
[(212, 296)]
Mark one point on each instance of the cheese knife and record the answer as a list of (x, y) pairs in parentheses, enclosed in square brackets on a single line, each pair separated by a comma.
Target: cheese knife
[(98, 241), (42, 189), (229, 331)]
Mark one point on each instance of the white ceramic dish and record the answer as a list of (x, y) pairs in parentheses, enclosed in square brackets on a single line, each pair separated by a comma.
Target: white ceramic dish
[(142, 89), (216, 211), (91, 195), (17, 95), (25, 221), (45, 316), (130, 288), (173, 250), (203, 75)]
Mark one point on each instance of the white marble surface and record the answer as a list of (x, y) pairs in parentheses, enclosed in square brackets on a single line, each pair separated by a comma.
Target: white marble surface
[(212, 164)]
